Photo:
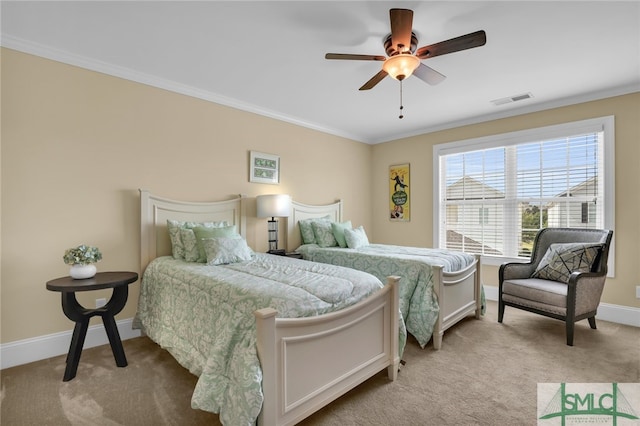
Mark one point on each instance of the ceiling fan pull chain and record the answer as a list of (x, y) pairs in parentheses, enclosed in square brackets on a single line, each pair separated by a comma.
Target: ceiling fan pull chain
[(401, 107)]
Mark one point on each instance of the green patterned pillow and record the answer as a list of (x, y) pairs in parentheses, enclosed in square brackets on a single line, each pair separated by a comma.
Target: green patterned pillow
[(189, 245), (356, 237), (338, 232), (202, 232), (561, 260), (306, 231), (224, 250), (175, 226), (323, 233)]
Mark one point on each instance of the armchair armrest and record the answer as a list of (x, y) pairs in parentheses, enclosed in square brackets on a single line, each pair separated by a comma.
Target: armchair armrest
[(515, 270), (577, 276), (585, 288)]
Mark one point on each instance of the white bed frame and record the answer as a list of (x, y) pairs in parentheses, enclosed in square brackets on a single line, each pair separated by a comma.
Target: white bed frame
[(306, 362), (458, 293)]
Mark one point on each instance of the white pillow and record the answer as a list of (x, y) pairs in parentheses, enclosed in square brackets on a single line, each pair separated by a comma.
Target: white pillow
[(223, 250), (356, 237)]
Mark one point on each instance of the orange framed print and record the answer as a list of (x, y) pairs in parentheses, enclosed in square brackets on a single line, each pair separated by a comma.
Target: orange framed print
[(399, 195)]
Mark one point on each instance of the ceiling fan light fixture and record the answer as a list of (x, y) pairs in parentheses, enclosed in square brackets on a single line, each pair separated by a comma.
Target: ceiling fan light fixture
[(403, 59), (401, 65)]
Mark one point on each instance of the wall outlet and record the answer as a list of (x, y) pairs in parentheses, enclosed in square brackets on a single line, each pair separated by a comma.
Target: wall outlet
[(100, 303), (638, 292)]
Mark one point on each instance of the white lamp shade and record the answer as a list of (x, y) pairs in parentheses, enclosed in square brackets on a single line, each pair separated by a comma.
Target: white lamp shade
[(273, 205)]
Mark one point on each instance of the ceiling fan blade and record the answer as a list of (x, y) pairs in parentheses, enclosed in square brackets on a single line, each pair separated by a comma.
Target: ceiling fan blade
[(354, 57), (428, 75), (401, 25), (374, 80), (468, 41)]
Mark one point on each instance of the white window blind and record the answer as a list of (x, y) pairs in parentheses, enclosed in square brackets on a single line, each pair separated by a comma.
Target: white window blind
[(494, 194)]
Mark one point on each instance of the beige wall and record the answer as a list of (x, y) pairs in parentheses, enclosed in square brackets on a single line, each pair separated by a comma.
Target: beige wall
[(77, 145), (418, 151)]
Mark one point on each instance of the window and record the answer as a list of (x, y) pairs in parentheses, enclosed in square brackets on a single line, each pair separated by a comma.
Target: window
[(505, 188), (483, 216), (452, 214)]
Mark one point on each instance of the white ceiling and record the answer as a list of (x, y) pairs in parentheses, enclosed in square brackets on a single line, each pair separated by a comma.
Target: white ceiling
[(268, 57)]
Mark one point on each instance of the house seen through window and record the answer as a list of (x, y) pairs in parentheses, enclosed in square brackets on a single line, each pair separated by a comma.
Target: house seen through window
[(495, 193)]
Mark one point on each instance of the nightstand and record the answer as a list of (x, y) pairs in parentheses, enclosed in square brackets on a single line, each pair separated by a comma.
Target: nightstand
[(284, 253), (119, 282), (294, 255)]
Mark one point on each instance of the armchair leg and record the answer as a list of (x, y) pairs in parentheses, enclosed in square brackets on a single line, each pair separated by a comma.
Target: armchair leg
[(592, 322), (500, 310), (570, 325)]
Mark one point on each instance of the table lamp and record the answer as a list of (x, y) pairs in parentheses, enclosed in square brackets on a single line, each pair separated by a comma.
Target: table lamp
[(272, 206)]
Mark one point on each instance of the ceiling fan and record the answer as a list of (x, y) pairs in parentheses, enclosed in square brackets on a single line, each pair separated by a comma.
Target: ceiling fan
[(400, 45)]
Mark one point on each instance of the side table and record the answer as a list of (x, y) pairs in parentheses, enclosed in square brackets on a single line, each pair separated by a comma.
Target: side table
[(295, 255), (287, 254), (68, 286)]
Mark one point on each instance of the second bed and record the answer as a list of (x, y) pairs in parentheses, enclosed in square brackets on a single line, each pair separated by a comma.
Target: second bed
[(438, 287)]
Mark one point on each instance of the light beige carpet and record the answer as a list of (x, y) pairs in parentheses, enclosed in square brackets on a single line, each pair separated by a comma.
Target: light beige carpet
[(485, 374)]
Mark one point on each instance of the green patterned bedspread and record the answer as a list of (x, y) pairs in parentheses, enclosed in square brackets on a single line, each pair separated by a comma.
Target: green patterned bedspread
[(204, 316), (418, 301)]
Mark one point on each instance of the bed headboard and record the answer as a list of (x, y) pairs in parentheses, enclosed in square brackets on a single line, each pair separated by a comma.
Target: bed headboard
[(301, 211), (154, 212)]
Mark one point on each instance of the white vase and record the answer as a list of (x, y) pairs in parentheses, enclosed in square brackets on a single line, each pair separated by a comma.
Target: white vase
[(80, 272)]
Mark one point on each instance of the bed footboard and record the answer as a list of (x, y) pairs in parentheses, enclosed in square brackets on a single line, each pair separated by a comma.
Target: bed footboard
[(309, 362), (459, 294)]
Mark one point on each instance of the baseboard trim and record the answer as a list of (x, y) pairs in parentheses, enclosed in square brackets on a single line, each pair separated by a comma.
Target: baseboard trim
[(606, 311), (43, 347), (619, 314), (490, 293)]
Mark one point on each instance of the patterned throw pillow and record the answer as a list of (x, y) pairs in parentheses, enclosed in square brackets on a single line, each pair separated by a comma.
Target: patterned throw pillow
[(175, 226), (356, 237), (338, 232), (561, 260), (323, 233), (189, 245), (306, 231), (202, 232), (194, 252), (224, 250)]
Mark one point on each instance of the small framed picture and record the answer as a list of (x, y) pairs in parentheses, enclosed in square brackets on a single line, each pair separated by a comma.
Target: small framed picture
[(264, 168)]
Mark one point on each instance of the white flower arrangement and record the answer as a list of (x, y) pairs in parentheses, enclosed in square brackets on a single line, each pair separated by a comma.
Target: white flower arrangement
[(82, 255)]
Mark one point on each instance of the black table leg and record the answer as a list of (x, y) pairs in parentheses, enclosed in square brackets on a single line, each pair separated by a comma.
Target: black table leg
[(75, 312), (75, 349), (114, 340), (114, 306)]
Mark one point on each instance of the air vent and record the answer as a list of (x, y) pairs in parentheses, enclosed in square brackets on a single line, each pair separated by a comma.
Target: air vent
[(510, 99)]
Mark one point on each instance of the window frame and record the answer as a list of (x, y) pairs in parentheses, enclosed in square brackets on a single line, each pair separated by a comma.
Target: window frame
[(601, 124)]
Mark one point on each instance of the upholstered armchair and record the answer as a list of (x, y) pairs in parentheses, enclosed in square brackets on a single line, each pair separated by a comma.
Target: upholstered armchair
[(563, 279)]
